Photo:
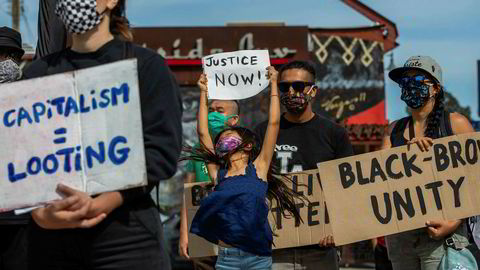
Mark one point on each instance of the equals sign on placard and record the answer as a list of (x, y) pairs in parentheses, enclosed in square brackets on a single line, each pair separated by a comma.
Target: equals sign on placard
[(60, 131), (427, 159)]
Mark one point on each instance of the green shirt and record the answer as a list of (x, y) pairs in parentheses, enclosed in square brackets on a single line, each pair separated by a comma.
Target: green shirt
[(200, 170)]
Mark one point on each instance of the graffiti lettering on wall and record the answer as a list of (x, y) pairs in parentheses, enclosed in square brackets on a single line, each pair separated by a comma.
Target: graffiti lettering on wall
[(337, 104), (349, 76), (366, 132), (245, 43)]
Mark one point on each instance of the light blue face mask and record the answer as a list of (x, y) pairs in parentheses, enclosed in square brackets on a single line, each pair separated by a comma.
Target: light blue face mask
[(217, 122)]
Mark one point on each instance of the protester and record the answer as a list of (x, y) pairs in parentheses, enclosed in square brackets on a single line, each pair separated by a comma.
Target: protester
[(222, 114), (382, 262), (52, 35), (113, 230), (305, 139), (13, 229), (234, 216), (422, 90)]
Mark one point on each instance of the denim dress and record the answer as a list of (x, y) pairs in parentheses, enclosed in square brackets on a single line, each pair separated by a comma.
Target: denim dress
[(236, 213)]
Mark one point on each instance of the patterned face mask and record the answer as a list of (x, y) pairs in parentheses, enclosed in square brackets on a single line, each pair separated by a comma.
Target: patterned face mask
[(296, 103), (227, 144), (79, 16), (415, 93), (9, 71)]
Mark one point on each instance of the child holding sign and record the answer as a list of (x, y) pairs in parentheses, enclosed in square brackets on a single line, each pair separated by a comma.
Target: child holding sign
[(234, 216)]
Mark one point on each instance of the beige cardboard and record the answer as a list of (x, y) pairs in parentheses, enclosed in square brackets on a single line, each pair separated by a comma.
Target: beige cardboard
[(197, 246), (289, 235), (350, 208), (411, 183), (451, 211), (351, 211), (473, 172)]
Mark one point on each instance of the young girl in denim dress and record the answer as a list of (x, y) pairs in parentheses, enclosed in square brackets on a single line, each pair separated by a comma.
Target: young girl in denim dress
[(235, 215)]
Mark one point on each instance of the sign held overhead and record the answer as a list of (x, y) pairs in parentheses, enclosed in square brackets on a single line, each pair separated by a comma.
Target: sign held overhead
[(236, 75)]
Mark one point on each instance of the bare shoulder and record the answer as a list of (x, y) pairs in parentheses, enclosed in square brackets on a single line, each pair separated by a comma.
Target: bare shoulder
[(390, 128), (261, 168), (460, 124)]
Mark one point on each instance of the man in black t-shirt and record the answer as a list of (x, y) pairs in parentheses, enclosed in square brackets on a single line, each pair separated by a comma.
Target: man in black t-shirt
[(304, 140), (12, 228)]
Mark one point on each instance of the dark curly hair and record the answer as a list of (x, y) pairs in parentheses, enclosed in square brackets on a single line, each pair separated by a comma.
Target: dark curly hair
[(434, 117), (278, 191)]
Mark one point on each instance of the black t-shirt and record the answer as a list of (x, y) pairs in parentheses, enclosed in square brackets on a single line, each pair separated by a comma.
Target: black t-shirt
[(160, 104), (300, 146)]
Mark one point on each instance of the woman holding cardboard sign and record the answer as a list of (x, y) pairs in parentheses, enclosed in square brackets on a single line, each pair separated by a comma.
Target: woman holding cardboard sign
[(234, 216), (120, 229), (423, 92)]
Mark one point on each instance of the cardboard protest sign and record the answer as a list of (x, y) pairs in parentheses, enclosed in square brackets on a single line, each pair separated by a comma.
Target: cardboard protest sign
[(399, 189), (236, 75), (193, 194), (82, 129), (287, 232)]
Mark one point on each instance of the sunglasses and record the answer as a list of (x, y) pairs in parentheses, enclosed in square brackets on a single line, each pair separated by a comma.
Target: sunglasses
[(298, 86), (416, 80)]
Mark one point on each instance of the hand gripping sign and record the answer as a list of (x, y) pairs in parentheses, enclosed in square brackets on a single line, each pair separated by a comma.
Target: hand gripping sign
[(400, 189), (236, 75), (82, 129)]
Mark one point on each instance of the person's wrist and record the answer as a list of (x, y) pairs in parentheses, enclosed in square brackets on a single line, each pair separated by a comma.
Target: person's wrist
[(106, 203)]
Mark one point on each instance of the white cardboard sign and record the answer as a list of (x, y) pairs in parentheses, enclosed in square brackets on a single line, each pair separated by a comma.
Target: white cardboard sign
[(236, 75), (82, 129)]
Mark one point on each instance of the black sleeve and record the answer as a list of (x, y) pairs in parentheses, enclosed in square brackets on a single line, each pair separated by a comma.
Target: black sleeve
[(162, 123), (52, 36), (37, 68), (343, 147)]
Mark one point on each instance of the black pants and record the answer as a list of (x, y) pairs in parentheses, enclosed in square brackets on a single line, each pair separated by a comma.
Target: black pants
[(131, 237), (381, 259), (13, 247), (204, 263)]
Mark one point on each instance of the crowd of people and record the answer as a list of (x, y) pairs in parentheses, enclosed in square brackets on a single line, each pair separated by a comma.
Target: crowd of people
[(122, 229)]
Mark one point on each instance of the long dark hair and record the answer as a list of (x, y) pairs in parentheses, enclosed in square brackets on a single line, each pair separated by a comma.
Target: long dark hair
[(278, 192), (119, 24), (434, 117)]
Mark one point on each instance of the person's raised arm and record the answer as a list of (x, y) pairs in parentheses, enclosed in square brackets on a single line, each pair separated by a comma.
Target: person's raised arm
[(202, 124), (265, 157)]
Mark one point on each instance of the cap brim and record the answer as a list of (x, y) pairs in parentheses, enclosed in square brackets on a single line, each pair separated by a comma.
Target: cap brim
[(12, 47), (397, 73)]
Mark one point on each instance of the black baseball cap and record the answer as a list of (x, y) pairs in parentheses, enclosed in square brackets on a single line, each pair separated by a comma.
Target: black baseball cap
[(10, 38)]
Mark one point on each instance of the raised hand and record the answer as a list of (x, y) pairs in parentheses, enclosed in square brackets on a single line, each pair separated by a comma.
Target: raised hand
[(272, 75), (203, 83)]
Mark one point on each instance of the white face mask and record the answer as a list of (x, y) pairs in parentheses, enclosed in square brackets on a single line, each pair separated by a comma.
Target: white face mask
[(79, 16), (9, 71)]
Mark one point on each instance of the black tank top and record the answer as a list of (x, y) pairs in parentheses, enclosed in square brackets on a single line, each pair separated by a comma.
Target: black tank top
[(397, 138)]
